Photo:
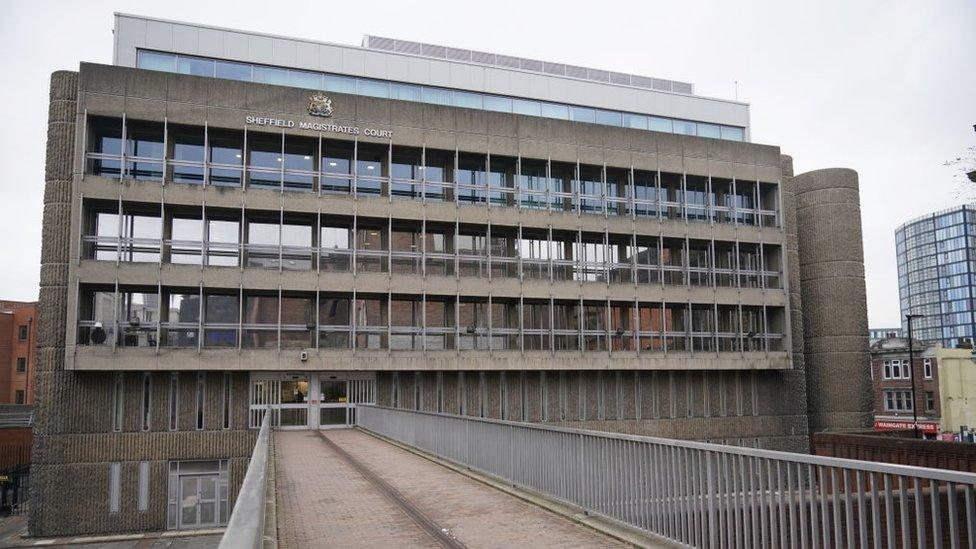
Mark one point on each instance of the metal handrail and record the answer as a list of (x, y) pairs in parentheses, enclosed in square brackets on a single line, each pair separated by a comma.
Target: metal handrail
[(246, 525), (702, 494)]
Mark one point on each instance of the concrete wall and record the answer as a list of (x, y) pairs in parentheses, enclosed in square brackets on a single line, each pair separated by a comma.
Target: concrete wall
[(737, 407), (831, 261), (73, 438)]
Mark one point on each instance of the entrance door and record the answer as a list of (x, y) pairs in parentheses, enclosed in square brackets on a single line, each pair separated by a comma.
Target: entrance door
[(339, 398), (334, 404), (285, 398), (198, 501)]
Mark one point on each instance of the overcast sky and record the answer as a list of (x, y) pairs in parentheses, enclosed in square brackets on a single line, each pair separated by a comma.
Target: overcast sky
[(887, 88)]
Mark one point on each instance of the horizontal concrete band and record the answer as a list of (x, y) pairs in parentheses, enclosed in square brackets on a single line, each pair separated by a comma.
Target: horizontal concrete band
[(99, 358), (188, 99)]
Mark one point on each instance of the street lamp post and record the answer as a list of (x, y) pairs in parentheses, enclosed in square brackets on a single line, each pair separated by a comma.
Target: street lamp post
[(911, 375)]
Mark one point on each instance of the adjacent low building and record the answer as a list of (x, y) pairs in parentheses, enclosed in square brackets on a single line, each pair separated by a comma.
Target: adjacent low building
[(957, 389), (239, 224), (18, 341), (891, 376)]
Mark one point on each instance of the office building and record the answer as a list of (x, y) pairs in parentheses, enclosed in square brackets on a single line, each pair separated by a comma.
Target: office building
[(237, 222), (936, 269)]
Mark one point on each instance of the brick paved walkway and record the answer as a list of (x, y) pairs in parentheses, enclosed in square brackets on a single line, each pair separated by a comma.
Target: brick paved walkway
[(323, 501)]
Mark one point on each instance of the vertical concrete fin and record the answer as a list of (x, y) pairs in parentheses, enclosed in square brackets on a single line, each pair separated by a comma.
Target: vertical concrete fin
[(53, 293), (834, 304)]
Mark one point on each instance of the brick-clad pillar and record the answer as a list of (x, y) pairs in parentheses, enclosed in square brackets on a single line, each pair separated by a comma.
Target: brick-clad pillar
[(55, 235)]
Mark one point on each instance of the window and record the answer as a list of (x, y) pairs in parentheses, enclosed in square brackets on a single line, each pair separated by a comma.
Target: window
[(22, 333), (896, 369), (225, 408), (117, 402), (929, 401), (146, 395), (143, 485), (21, 364), (174, 400), (927, 368), (898, 400), (19, 396), (114, 487), (208, 67), (201, 379)]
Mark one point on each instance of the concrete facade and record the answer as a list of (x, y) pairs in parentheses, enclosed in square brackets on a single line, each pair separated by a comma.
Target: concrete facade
[(831, 265), (103, 401)]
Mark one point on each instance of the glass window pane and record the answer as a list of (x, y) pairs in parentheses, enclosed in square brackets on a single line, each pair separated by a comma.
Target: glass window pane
[(731, 133), (709, 130), (262, 233), (156, 61), (436, 96), (271, 75), (609, 118), (660, 124), (221, 309), (405, 92), (261, 309), (498, 104), (552, 110), (195, 66), (374, 88), (335, 238), (226, 148), (582, 114), (233, 71), (340, 84), (305, 79), (531, 108), (637, 121), (685, 127), (223, 231), (468, 100), (296, 235)]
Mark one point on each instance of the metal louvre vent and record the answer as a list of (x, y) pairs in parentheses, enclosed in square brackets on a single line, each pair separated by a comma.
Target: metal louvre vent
[(659, 84), (554, 68), (434, 51), (415, 48), (482, 57), (620, 78), (459, 55), (507, 61), (533, 65), (575, 72), (377, 43)]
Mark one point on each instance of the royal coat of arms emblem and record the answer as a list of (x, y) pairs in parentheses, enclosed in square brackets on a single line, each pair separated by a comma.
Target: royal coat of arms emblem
[(320, 104)]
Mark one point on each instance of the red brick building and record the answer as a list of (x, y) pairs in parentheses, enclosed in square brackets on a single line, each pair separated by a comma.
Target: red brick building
[(18, 342), (891, 378)]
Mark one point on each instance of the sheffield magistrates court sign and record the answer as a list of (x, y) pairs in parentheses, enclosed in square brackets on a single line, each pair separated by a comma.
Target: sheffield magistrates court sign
[(318, 105)]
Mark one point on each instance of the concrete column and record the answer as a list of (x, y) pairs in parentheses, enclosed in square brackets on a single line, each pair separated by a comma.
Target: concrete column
[(831, 261), (53, 308)]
